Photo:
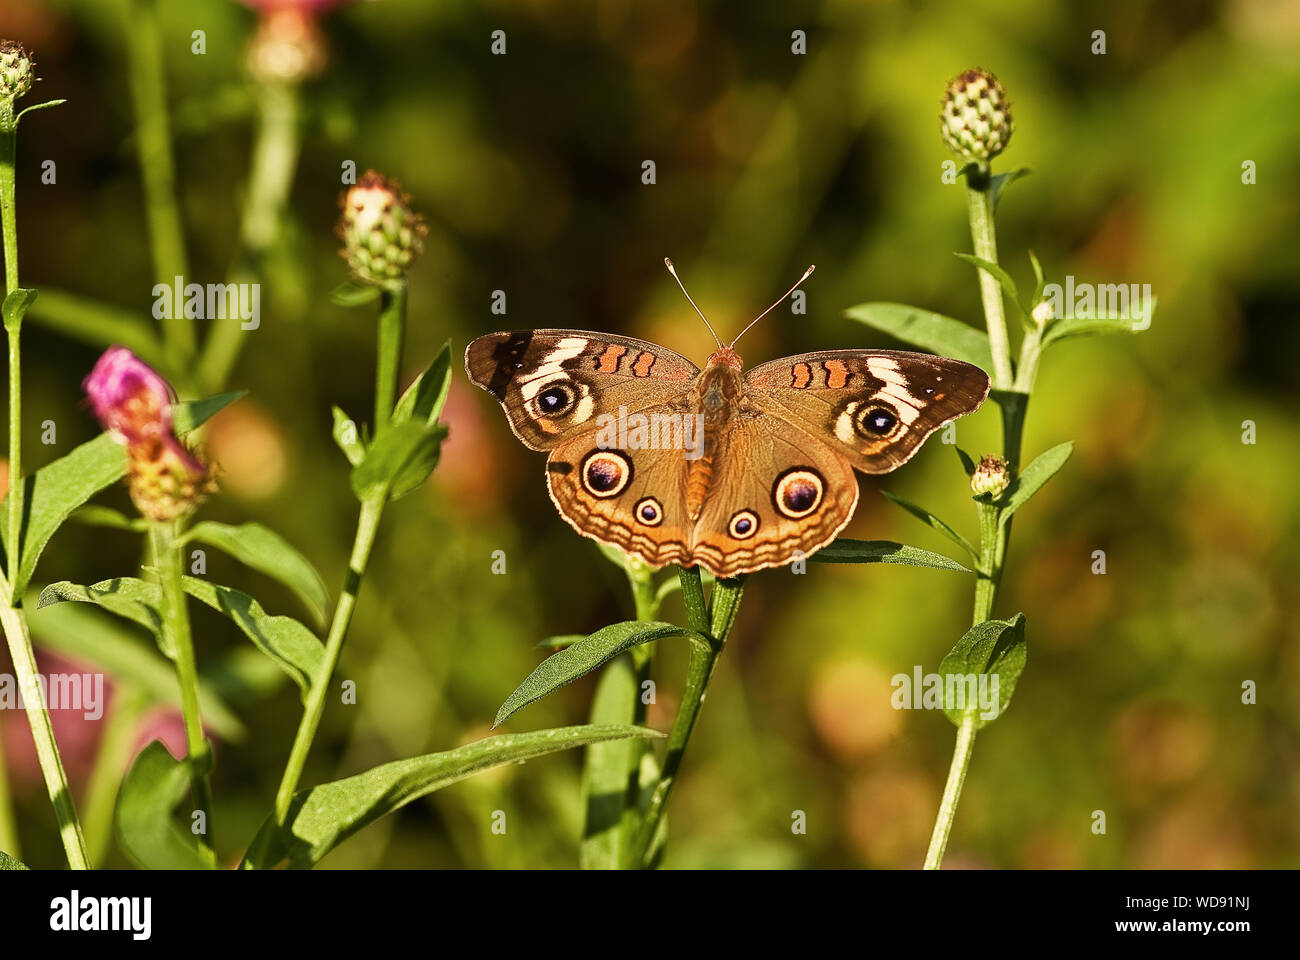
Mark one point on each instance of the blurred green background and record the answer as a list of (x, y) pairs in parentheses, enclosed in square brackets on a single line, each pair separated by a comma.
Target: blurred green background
[(527, 168)]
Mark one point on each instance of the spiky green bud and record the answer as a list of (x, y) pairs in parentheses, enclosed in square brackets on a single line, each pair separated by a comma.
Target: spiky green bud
[(381, 235), (991, 478), (17, 70), (975, 116)]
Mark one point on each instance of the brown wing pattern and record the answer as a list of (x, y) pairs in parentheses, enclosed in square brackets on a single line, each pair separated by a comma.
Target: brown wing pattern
[(874, 407), (554, 383)]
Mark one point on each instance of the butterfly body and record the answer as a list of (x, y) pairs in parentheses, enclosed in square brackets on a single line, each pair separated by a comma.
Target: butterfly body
[(732, 470)]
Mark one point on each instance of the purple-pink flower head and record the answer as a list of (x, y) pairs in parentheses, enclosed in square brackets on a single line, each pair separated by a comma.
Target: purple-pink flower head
[(129, 397)]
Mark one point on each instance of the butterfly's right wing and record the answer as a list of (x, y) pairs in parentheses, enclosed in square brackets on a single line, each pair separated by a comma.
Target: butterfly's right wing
[(554, 384)]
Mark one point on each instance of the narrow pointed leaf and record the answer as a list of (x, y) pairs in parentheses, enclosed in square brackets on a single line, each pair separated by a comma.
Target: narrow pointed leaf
[(1001, 276), (265, 551), (322, 817), (579, 659), (349, 294), (927, 330), (844, 550), (347, 436), (424, 399), (294, 648), (1033, 477), (925, 516)]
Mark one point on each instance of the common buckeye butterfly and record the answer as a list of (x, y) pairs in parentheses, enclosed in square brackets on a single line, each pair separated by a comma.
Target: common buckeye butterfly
[(757, 467)]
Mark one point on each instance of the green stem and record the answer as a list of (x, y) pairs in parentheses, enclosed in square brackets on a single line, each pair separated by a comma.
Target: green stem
[(38, 717), (176, 624), (367, 526), (157, 167), (276, 148), (951, 792), (714, 625), (392, 324), (994, 535), (8, 825), (14, 621), (984, 239)]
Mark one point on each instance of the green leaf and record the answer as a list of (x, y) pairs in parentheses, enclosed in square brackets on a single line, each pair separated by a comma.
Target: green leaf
[(967, 463), (347, 437), (128, 597), (586, 655), (190, 414), (998, 183), (37, 106), (561, 641), (996, 648), (83, 633), (883, 551), (424, 399), (9, 863), (93, 515), (606, 768), (265, 551), (151, 791), (55, 490), (400, 459), (925, 516), (15, 305), (1001, 276), (322, 817), (930, 331), (349, 294), (294, 648), (1038, 282), (1033, 477), (1069, 327)]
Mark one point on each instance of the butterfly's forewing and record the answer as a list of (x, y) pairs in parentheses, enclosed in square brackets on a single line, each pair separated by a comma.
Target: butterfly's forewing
[(874, 407), (554, 384), (776, 494)]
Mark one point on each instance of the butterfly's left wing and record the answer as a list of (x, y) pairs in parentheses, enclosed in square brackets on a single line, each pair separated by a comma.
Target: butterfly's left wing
[(556, 384), (874, 407)]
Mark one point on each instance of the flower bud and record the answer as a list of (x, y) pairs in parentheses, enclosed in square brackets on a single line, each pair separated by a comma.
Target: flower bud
[(134, 403), (975, 117), (1043, 313), (287, 46), (129, 397), (991, 478), (381, 235), (17, 70)]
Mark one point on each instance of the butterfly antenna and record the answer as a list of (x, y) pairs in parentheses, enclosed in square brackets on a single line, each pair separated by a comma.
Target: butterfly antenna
[(806, 274), (673, 270)]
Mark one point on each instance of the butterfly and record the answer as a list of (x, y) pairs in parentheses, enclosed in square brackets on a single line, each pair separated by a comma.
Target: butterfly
[(734, 471)]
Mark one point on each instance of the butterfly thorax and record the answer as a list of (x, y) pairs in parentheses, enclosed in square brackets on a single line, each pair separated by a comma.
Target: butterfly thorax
[(717, 396)]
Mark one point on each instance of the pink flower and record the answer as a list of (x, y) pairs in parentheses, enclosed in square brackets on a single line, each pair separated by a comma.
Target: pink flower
[(134, 402), (129, 397)]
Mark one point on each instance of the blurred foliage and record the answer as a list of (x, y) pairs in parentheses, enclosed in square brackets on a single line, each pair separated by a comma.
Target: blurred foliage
[(527, 167)]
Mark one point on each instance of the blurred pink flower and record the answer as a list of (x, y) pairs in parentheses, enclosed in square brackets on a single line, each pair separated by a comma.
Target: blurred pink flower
[(129, 397)]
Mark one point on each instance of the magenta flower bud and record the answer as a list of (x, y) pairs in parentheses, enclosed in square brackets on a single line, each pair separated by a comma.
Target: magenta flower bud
[(129, 397), (134, 403)]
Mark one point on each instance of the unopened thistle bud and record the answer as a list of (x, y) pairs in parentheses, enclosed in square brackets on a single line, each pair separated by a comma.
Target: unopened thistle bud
[(134, 403), (381, 235), (17, 71), (991, 478), (975, 117)]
